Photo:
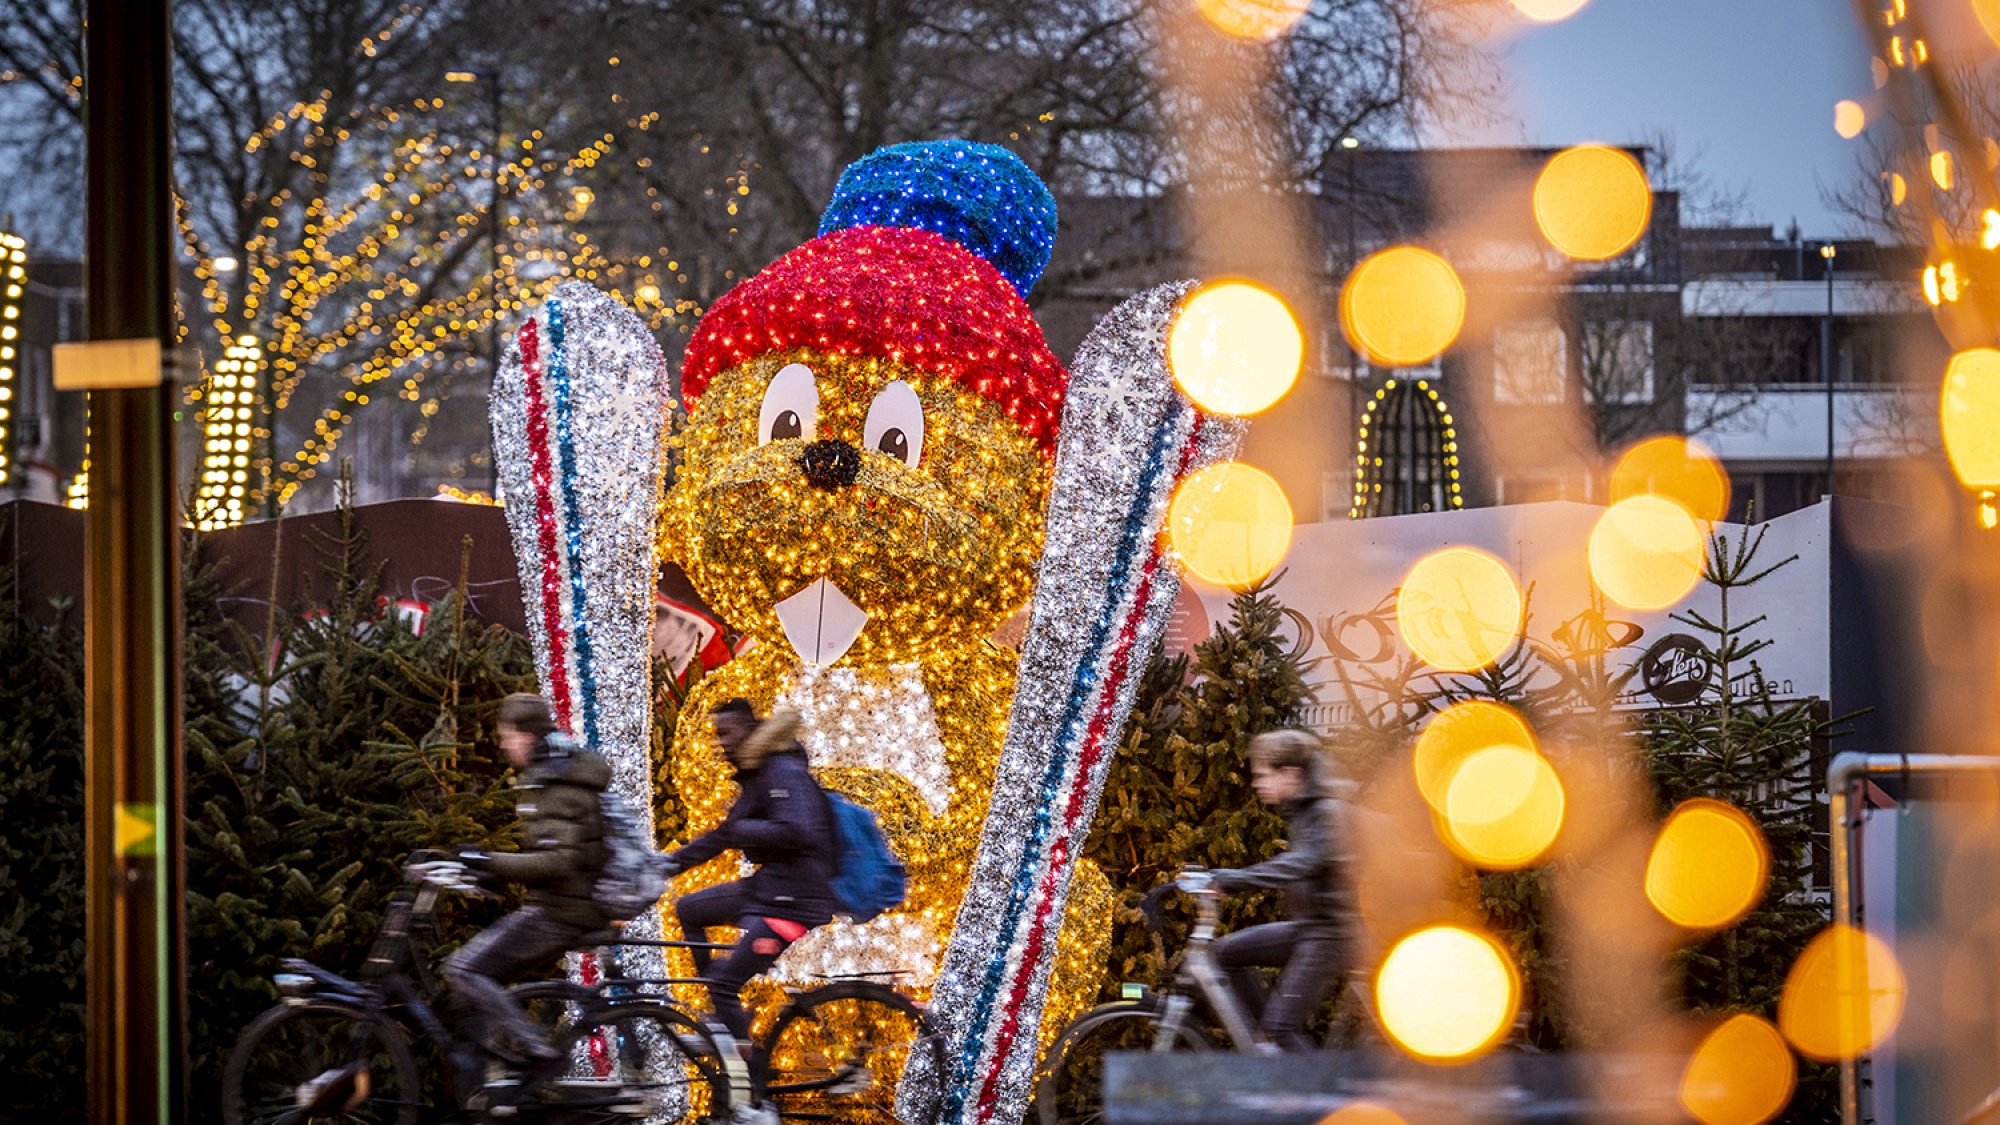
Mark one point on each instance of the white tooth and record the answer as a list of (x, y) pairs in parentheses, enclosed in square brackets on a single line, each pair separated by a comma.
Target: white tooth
[(821, 622)]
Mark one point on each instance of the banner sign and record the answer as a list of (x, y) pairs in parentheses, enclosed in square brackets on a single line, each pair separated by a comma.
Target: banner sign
[(1339, 584)]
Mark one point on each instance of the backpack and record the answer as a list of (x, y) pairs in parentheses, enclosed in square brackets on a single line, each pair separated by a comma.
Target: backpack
[(868, 878), (635, 874)]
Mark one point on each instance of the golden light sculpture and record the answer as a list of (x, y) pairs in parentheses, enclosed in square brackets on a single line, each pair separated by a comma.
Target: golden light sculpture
[(1446, 994), (1844, 995), (1592, 202), (1503, 808), (1646, 552), (1708, 865), (1677, 468), (1459, 609), (232, 397), (1456, 733), (1257, 20), (13, 280), (1235, 348), (1231, 524), (1741, 1074), (1402, 306), (1969, 414), (1849, 119)]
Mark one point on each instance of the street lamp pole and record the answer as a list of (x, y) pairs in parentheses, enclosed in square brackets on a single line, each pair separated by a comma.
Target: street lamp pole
[(1826, 252), (133, 885)]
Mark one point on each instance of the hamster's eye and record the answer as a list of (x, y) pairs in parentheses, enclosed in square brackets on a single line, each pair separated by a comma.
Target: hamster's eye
[(896, 424), (791, 406)]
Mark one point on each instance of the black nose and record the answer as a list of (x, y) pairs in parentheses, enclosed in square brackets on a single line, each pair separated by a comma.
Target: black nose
[(830, 464)]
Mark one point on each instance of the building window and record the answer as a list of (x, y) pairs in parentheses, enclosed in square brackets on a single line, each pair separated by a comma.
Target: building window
[(1617, 361), (1530, 362)]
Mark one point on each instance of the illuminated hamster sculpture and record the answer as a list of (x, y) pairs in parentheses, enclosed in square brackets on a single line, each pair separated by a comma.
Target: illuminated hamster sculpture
[(861, 485)]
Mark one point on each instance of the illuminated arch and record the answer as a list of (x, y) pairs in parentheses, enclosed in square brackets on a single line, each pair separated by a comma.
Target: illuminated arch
[(1406, 453)]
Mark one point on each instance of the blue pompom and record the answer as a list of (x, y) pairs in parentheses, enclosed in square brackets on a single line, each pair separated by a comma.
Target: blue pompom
[(979, 196)]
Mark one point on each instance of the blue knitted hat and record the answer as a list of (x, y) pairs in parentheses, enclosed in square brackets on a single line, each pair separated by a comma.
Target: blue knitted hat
[(978, 195)]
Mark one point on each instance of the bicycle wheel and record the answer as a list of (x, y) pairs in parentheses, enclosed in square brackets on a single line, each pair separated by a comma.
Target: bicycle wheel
[(837, 1053), (635, 1058), (1070, 1090), (320, 1062)]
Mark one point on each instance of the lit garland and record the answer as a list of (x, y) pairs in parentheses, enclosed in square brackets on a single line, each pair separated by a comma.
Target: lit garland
[(78, 495), (1107, 585), (1370, 472), (579, 427), (13, 278), (233, 396), (363, 279), (930, 532)]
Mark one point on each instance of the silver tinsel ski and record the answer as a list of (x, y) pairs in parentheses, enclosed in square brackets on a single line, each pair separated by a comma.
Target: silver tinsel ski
[(1106, 587), (579, 413)]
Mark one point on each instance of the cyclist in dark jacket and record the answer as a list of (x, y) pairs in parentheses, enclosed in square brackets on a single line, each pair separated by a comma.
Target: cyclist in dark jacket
[(1288, 770), (783, 823), (563, 853)]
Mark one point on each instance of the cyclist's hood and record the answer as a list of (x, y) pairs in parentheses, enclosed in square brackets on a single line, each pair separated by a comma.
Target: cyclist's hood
[(772, 736), (561, 760)]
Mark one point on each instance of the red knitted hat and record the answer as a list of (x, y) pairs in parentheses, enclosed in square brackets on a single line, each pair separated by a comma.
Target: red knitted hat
[(883, 282), (896, 293)]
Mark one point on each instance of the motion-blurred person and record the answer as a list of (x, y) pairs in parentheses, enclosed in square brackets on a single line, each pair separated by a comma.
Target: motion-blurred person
[(1290, 772)]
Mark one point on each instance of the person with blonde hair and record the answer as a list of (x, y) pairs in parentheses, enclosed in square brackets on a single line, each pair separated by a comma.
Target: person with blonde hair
[(1291, 773)]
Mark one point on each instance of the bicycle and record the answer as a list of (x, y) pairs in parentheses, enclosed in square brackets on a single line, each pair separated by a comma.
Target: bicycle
[(340, 1050), (828, 1049), (1069, 1090)]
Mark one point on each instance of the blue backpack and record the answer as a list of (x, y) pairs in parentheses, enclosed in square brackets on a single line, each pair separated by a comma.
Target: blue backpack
[(868, 878)]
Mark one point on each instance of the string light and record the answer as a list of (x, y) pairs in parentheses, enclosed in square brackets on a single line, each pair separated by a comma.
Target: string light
[(13, 278), (1370, 471), (233, 395), (336, 279)]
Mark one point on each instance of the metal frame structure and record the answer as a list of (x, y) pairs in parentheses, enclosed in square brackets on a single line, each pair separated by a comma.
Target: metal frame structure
[(1844, 776)]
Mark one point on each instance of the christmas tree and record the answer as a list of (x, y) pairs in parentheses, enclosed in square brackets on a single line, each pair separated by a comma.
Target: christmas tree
[(41, 859), (1179, 793)]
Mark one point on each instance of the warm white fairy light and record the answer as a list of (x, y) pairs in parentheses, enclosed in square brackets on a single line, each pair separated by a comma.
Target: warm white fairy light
[(228, 421), (1369, 469), (13, 277), (880, 721)]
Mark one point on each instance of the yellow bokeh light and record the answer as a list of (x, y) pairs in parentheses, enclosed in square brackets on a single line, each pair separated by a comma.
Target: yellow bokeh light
[(1646, 552), (1549, 11), (1459, 609), (1592, 202), (1899, 188), (1969, 412), (1742, 1074), (1458, 732), (1849, 119), (1230, 523), (1708, 865), (1258, 20), (1235, 348), (1844, 995), (1941, 170), (1681, 470), (1503, 808), (1402, 306), (1362, 1113), (1988, 12), (1446, 994)]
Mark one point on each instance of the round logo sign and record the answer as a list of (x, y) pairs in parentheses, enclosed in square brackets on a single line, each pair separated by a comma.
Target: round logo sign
[(1676, 669)]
